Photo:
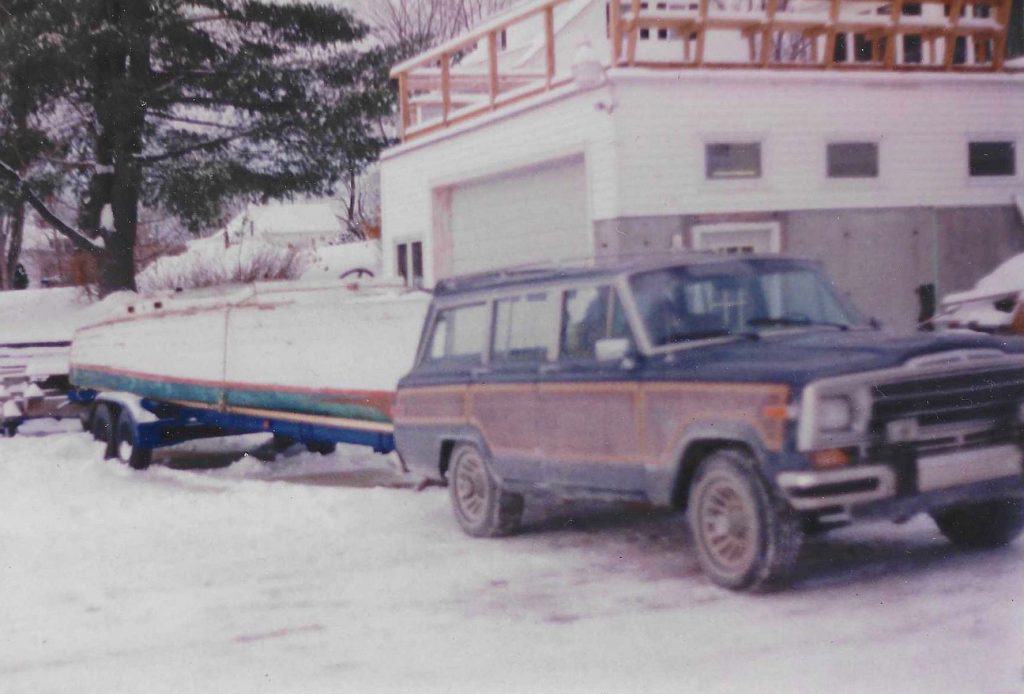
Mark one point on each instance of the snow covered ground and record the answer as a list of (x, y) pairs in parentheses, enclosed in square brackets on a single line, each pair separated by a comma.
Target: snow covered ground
[(301, 576)]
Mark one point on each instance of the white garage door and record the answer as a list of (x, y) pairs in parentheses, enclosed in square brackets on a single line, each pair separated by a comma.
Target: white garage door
[(530, 215)]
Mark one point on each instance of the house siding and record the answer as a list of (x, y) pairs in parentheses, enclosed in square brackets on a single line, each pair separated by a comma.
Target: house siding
[(415, 178), (923, 124), (922, 221)]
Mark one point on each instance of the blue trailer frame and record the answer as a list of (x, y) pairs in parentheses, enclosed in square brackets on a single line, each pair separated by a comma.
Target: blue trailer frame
[(176, 423)]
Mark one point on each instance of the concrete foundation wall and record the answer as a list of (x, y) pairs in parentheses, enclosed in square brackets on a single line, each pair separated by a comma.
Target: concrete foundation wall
[(878, 258)]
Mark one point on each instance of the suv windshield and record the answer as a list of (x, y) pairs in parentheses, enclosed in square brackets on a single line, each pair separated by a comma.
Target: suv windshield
[(708, 300)]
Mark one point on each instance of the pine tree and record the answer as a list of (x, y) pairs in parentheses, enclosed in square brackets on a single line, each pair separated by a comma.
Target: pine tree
[(184, 105)]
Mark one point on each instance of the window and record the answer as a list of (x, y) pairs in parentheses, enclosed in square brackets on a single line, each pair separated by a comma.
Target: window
[(728, 160), (738, 238), (863, 48), (992, 158), (409, 262), (853, 160), (840, 50), (731, 298), (588, 316), (524, 328), (459, 336)]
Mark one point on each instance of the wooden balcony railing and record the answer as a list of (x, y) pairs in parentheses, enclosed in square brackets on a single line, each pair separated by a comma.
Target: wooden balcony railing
[(477, 73)]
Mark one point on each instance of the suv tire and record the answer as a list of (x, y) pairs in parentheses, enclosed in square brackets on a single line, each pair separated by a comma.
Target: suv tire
[(987, 525), (746, 539), (482, 507)]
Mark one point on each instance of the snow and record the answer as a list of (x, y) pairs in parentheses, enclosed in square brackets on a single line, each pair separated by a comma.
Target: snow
[(20, 313), (248, 579), (317, 220)]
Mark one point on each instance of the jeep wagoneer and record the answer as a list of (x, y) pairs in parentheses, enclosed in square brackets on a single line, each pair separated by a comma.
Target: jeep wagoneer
[(744, 390)]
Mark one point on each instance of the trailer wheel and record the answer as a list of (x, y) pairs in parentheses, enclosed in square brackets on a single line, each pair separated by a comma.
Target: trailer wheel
[(10, 429), (126, 449), (103, 428)]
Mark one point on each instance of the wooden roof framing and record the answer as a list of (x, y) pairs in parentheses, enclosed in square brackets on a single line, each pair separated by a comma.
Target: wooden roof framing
[(456, 90)]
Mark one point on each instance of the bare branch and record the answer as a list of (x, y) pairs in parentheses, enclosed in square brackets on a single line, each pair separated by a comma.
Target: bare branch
[(79, 239)]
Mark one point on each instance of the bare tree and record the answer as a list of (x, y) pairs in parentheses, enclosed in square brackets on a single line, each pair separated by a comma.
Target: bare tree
[(414, 25)]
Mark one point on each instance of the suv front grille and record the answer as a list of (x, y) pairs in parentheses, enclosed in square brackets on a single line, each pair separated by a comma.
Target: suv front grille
[(950, 399)]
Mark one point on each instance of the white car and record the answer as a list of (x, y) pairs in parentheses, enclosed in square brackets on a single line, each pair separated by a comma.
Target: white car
[(995, 305), (35, 344)]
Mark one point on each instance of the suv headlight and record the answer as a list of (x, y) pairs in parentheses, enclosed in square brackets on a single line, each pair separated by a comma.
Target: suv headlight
[(835, 414)]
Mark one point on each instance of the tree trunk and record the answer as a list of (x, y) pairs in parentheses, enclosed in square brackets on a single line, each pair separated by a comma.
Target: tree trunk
[(16, 233), (4, 221), (117, 266)]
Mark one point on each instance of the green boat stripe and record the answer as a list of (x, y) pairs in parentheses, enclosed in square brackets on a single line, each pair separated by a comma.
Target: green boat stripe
[(300, 403)]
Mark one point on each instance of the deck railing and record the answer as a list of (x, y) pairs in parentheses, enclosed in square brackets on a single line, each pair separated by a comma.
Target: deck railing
[(473, 74)]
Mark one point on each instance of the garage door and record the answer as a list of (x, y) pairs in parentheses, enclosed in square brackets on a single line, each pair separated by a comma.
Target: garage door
[(526, 216)]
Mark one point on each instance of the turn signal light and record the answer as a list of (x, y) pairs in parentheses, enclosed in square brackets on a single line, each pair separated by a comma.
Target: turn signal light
[(830, 459)]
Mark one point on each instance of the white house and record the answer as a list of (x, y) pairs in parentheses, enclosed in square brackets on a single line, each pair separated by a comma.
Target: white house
[(882, 139)]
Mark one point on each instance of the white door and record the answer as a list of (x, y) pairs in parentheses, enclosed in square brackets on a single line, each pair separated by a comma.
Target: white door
[(526, 216), (732, 239)]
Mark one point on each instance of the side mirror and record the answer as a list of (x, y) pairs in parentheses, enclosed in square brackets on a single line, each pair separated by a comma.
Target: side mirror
[(612, 349)]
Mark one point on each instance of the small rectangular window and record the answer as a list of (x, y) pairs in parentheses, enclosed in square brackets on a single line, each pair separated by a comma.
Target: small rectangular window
[(992, 158), (853, 160), (417, 263), (402, 261), (733, 160), (523, 329), (839, 53), (459, 336), (863, 49)]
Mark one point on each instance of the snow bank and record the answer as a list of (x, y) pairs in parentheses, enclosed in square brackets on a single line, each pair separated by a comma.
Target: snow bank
[(208, 263), (42, 315), (178, 581)]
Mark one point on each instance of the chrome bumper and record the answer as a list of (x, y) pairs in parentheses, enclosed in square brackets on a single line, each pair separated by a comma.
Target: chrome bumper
[(839, 490), (814, 491)]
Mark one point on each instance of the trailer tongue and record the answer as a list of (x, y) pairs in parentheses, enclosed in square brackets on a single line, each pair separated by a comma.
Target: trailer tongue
[(315, 364)]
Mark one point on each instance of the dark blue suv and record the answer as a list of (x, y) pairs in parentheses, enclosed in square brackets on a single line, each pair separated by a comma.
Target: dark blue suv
[(744, 390)]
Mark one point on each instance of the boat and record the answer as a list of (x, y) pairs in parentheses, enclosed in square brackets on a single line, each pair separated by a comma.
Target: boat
[(328, 355)]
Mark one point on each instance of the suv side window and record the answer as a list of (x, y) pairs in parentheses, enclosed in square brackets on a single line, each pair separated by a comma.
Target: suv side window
[(459, 336), (591, 314), (524, 328)]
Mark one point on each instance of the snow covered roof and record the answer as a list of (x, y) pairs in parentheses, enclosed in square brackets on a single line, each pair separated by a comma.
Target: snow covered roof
[(299, 219)]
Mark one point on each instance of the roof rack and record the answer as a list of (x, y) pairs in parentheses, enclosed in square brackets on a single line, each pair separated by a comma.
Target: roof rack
[(565, 268)]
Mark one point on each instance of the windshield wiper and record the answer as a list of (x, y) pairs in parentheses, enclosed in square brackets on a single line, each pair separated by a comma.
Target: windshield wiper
[(708, 335), (794, 322)]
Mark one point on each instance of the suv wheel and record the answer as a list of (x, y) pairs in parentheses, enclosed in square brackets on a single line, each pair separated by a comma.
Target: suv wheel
[(991, 524), (745, 538), (481, 507)]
